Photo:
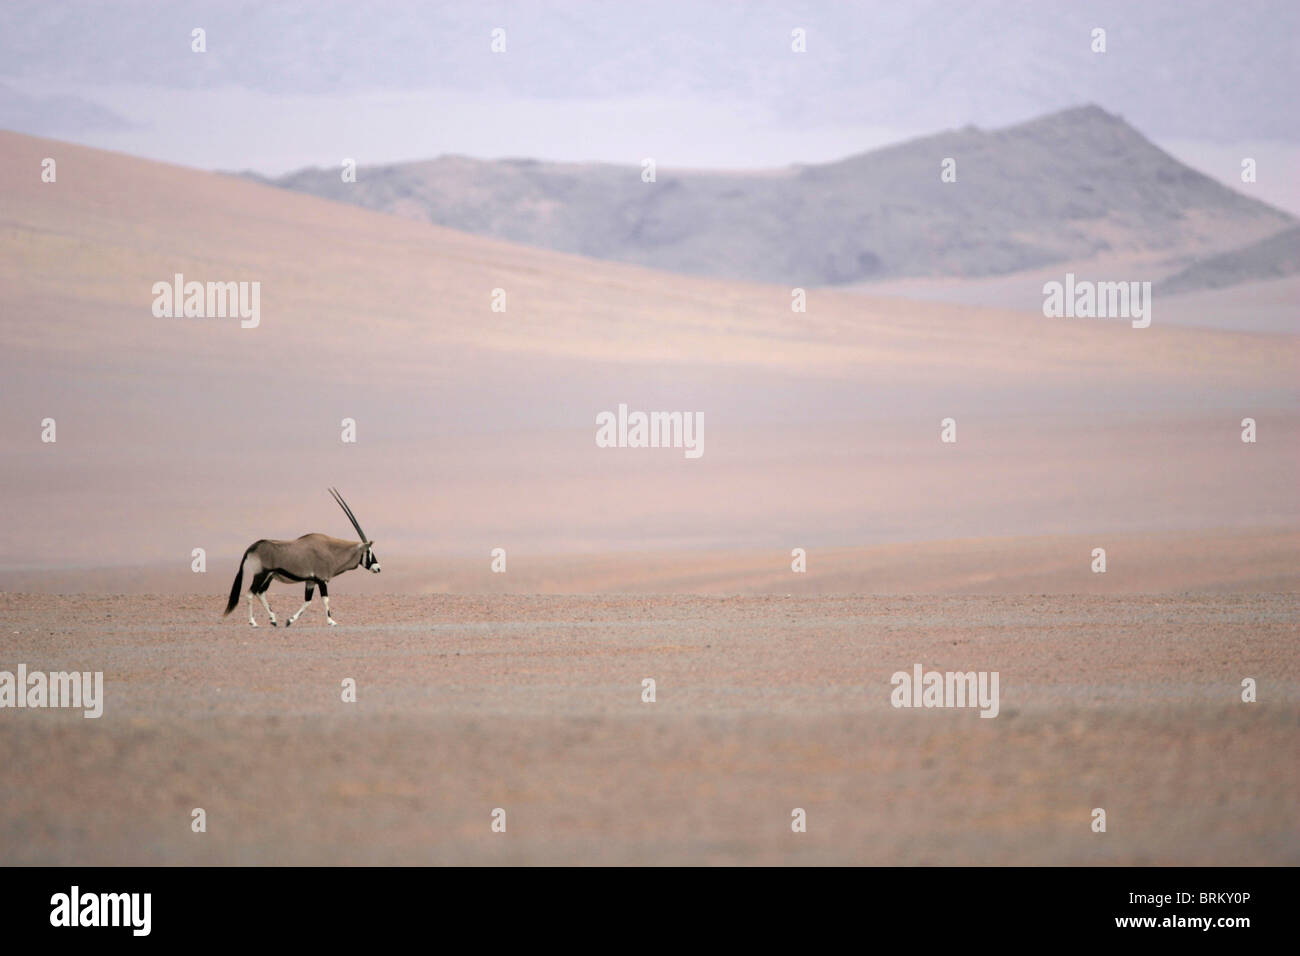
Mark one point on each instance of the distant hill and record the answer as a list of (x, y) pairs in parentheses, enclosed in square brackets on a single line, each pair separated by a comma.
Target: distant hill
[(1064, 187), (1276, 257)]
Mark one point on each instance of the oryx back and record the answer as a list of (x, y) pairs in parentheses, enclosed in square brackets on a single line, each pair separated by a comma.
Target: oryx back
[(313, 557)]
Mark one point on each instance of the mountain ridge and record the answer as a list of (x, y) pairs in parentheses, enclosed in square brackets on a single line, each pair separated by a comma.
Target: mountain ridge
[(1063, 187), (1272, 257)]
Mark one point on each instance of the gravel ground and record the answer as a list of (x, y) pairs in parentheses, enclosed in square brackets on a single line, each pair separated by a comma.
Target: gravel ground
[(533, 704)]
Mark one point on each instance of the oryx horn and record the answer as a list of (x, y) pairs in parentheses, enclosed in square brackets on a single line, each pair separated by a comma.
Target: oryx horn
[(348, 511)]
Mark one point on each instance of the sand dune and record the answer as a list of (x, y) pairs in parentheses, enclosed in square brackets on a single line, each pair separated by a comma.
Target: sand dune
[(476, 428)]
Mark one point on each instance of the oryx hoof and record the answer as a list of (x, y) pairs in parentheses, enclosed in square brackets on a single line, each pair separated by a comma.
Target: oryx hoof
[(252, 624), (332, 621), (289, 623), (273, 624)]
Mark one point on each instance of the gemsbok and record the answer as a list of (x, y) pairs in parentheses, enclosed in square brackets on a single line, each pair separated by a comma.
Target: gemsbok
[(313, 559)]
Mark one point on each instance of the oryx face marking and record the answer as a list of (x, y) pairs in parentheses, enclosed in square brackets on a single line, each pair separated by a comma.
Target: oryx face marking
[(313, 559)]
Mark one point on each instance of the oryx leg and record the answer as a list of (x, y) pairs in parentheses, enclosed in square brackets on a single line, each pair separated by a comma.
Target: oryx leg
[(307, 600), (260, 585), (261, 595), (251, 622), (325, 599)]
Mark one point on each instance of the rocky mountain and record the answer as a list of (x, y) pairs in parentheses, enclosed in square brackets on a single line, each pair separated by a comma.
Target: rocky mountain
[(1064, 187)]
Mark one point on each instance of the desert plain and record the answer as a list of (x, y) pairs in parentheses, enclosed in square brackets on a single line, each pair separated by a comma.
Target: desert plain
[(522, 691), (764, 704)]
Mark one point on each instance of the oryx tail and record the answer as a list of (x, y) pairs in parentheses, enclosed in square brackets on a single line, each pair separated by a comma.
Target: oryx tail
[(238, 586)]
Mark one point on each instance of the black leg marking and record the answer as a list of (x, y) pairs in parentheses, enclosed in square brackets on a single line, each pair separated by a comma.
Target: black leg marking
[(325, 597)]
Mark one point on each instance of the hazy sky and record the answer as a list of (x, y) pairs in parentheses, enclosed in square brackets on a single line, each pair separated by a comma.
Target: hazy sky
[(696, 83)]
